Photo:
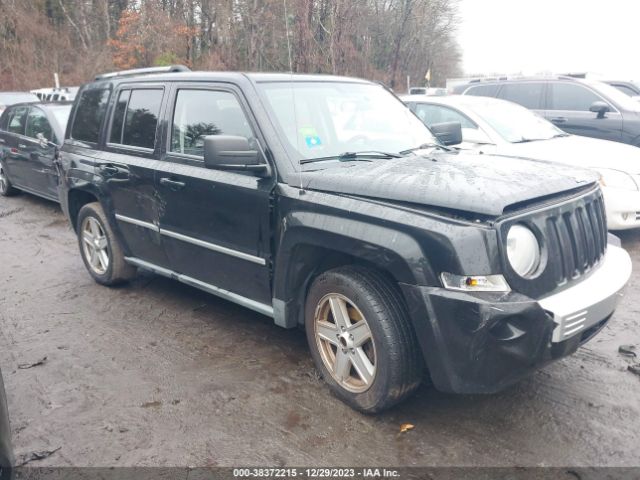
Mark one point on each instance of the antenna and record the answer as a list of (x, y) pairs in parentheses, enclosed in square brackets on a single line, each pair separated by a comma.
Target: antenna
[(293, 91), (286, 27)]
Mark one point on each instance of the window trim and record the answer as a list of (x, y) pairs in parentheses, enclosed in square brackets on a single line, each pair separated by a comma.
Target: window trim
[(123, 147), (212, 87)]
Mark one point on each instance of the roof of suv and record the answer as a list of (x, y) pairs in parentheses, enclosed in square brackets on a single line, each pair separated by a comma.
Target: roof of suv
[(254, 77)]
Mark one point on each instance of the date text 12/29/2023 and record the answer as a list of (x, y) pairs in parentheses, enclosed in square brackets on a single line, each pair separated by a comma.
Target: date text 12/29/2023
[(313, 473)]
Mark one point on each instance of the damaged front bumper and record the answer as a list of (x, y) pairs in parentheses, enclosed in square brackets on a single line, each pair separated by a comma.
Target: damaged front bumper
[(482, 342)]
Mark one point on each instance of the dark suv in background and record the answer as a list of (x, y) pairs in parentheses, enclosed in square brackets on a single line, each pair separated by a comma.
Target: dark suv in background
[(578, 106), (323, 202)]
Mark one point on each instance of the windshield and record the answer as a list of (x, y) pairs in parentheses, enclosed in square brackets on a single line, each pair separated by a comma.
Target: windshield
[(61, 114), (515, 123), (17, 97), (326, 119)]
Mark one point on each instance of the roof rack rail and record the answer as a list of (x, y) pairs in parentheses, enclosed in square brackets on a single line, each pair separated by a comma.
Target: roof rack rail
[(144, 71)]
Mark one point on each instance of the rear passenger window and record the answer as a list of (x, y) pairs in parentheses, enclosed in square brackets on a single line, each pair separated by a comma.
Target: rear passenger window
[(483, 90), (89, 114), (18, 120), (141, 118), (567, 96), (199, 113), (528, 95)]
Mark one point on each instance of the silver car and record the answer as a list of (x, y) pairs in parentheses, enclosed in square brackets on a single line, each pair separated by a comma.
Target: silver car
[(499, 127)]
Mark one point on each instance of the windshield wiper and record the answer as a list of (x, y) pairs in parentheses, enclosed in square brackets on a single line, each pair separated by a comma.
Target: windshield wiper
[(527, 140), (424, 146), (558, 135), (363, 156)]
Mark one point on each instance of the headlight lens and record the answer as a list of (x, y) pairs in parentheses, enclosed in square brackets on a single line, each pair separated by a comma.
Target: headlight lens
[(616, 179), (523, 250)]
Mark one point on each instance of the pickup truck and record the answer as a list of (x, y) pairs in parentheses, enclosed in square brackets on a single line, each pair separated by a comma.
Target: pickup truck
[(326, 204)]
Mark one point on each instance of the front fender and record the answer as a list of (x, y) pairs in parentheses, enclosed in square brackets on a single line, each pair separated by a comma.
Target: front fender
[(307, 237)]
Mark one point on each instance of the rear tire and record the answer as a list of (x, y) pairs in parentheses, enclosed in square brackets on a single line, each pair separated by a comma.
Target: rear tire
[(100, 249), (6, 189), (367, 351)]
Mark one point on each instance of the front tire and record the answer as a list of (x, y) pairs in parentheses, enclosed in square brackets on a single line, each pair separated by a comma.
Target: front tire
[(6, 189), (361, 340), (99, 247)]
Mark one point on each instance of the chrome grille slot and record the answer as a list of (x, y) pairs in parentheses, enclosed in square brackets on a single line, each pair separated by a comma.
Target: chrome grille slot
[(581, 238)]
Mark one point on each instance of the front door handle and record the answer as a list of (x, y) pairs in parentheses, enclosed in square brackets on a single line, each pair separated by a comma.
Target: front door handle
[(109, 170), (559, 120), (174, 185)]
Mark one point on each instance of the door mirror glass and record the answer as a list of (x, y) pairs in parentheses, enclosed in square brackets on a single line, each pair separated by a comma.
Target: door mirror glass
[(600, 108), (449, 133)]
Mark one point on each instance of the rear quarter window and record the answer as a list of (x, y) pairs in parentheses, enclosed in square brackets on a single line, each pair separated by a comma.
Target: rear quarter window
[(89, 115)]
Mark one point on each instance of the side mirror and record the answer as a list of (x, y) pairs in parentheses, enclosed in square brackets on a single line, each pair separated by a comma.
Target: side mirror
[(41, 140), (44, 143), (600, 108), (230, 152), (449, 133)]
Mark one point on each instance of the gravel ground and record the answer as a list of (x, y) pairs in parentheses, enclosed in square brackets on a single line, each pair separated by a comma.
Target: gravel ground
[(156, 373)]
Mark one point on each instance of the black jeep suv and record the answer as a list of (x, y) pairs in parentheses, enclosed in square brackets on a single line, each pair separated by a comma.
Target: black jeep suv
[(324, 202)]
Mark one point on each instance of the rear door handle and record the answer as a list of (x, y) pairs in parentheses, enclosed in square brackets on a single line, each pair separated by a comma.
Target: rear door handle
[(559, 120), (172, 184)]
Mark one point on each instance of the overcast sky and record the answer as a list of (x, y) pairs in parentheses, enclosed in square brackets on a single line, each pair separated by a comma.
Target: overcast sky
[(560, 36)]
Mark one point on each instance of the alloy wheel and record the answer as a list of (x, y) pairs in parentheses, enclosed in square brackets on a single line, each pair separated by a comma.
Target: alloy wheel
[(4, 184), (95, 245), (345, 342)]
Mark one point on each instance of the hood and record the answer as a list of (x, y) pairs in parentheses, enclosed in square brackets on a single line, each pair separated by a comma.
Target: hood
[(579, 151), (463, 181)]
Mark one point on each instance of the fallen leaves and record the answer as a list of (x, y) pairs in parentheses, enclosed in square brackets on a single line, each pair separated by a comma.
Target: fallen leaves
[(405, 427)]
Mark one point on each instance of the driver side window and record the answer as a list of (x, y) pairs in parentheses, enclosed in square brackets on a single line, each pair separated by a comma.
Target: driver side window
[(37, 123), (434, 114), (199, 113)]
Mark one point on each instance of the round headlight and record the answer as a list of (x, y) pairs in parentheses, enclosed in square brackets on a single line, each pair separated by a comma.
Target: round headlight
[(523, 250)]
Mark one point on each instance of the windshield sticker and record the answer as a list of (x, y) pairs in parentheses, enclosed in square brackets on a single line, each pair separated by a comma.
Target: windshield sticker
[(311, 137)]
